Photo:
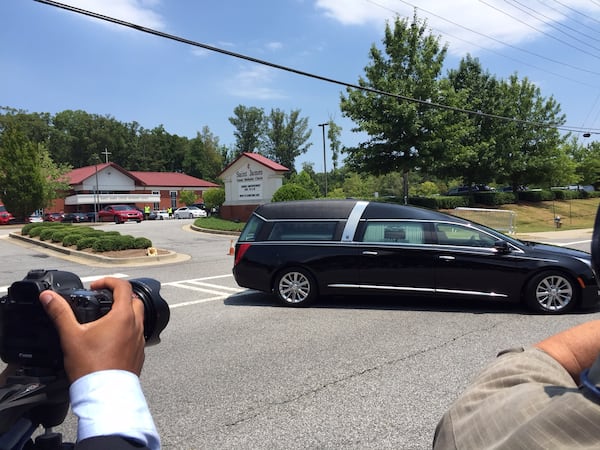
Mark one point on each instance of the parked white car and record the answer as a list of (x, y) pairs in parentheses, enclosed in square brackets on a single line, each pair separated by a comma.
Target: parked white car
[(189, 212), (161, 214)]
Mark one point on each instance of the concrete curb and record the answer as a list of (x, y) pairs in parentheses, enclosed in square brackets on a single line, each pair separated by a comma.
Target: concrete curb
[(207, 230), (170, 257)]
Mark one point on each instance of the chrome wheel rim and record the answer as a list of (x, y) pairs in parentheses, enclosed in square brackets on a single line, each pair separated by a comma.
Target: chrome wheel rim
[(554, 293), (294, 287)]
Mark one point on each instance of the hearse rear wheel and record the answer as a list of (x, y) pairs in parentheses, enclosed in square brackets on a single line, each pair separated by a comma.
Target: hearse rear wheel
[(295, 286)]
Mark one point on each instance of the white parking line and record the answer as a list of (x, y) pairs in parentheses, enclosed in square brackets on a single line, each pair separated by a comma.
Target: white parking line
[(574, 243), (199, 289), (195, 302)]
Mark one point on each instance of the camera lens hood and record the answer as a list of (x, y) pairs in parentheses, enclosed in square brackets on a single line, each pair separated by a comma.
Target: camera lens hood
[(156, 309)]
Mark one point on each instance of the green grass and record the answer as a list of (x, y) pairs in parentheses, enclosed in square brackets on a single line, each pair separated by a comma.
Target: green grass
[(215, 223), (536, 217)]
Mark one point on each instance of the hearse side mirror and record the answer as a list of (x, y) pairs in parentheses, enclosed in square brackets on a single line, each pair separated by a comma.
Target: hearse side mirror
[(502, 246)]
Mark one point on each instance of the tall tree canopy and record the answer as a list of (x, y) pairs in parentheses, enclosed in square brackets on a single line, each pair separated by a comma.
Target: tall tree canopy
[(529, 149), (469, 154), (249, 128), (399, 130), (29, 179), (286, 137)]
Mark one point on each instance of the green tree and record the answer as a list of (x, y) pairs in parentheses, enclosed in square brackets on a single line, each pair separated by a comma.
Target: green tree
[(305, 180), (359, 186), (22, 184), (529, 149), (470, 148), (399, 130), (188, 197), (214, 198), (286, 137), (203, 158), (249, 128), (587, 159), (333, 136)]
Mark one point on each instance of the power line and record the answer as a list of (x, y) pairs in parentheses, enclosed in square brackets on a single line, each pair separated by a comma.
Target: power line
[(540, 31), (582, 24), (306, 74), (549, 22), (526, 63), (575, 11), (505, 44)]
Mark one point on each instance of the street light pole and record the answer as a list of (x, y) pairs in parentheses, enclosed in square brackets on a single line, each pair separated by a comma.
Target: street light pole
[(323, 125)]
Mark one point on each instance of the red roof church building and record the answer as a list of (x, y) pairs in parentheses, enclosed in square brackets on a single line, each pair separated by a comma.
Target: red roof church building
[(249, 181), (94, 187)]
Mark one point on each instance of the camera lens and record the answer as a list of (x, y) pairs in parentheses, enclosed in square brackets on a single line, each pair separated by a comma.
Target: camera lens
[(156, 309)]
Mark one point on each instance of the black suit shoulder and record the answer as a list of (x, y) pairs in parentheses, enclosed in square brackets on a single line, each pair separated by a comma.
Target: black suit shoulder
[(109, 443)]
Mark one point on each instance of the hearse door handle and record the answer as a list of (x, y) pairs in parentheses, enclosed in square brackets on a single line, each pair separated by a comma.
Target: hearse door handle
[(370, 253), (447, 257)]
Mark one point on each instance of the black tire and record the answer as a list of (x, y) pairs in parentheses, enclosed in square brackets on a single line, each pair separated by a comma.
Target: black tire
[(551, 292), (296, 287)]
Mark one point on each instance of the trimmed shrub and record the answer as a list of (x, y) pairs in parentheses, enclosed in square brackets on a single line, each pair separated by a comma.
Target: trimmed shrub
[(86, 242), (440, 201), (27, 228), (105, 244), (493, 198), (46, 233), (142, 242), (567, 195), (72, 239), (291, 191), (58, 235), (123, 242), (35, 231), (535, 196)]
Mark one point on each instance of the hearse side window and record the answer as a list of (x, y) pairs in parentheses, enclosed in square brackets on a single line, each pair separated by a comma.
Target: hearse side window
[(454, 234), (303, 231), (252, 229), (406, 232)]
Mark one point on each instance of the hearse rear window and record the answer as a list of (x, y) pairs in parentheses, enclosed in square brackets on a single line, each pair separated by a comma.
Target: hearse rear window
[(406, 232), (252, 229), (303, 231)]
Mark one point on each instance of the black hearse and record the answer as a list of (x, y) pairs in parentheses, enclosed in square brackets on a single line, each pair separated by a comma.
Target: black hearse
[(303, 249)]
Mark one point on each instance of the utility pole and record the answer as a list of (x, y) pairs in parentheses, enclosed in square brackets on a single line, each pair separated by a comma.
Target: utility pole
[(323, 125)]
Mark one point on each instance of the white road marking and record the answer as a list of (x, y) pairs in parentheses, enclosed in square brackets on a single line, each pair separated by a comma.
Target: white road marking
[(574, 243), (195, 302)]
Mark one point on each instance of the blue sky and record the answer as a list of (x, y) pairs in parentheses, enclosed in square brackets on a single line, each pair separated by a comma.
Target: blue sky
[(53, 60)]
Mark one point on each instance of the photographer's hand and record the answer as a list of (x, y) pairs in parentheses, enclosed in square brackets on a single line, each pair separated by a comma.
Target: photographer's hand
[(115, 341)]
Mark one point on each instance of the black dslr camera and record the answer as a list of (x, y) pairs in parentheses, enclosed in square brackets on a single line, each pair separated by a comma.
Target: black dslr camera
[(28, 336), (38, 393)]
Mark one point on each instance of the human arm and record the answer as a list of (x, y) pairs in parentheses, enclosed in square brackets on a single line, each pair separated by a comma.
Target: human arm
[(103, 360), (576, 348)]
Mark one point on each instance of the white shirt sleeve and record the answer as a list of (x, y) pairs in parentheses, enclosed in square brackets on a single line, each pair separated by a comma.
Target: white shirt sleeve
[(111, 402)]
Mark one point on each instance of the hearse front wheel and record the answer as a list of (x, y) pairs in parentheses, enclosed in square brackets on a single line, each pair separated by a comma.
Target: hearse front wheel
[(295, 287), (551, 292)]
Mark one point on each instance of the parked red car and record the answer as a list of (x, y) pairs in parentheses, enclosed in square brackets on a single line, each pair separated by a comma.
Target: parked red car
[(120, 214), (53, 217), (5, 216)]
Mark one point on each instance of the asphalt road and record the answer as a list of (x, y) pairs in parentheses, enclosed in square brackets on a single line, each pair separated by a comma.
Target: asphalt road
[(236, 371)]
